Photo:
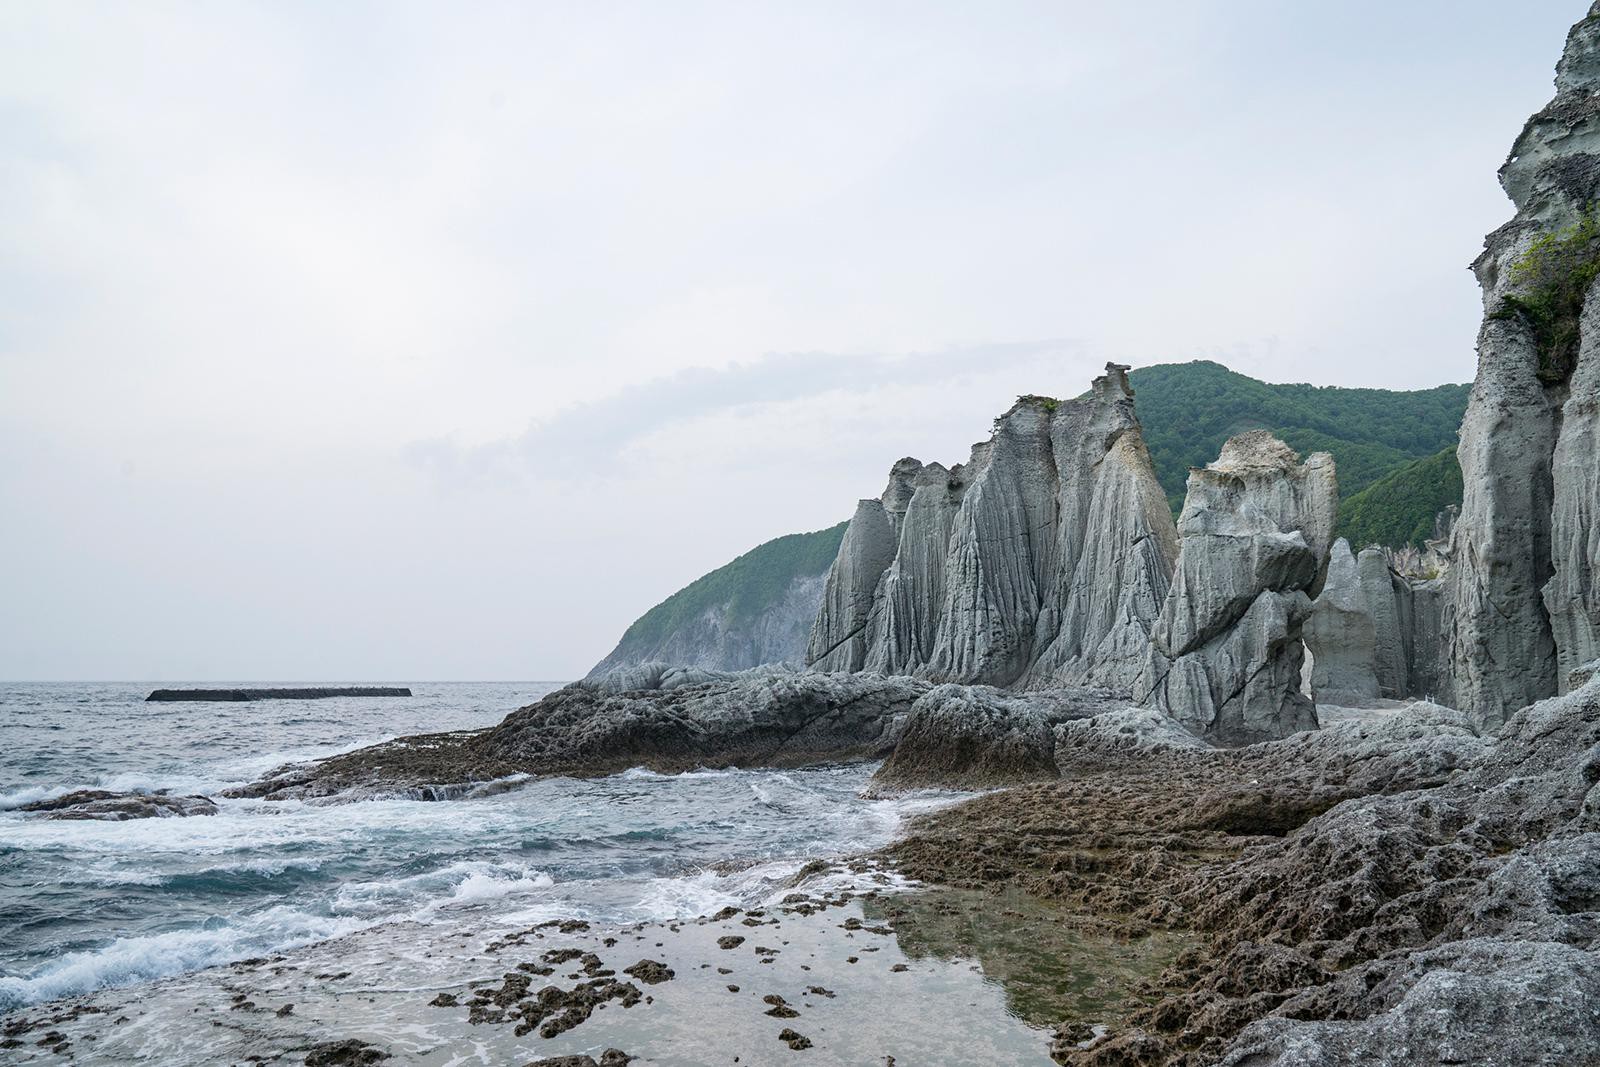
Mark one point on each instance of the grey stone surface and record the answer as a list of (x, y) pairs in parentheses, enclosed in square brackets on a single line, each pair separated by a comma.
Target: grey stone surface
[(1116, 545), (839, 635), (1039, 563), (980, 737), (1524, 539), (667, 719), (1342, 632), (1458, 923), (1572, 595), (1225, 655), (1381, 594)]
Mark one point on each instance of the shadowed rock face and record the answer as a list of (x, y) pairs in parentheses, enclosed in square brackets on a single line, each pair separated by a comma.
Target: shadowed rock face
[(1572, 596), (1041, 562), (1342, 633), (839, 635), (1226, 654), (1522, 607)]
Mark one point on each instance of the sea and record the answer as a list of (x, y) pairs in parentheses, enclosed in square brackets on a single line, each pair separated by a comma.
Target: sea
[(86, 905)]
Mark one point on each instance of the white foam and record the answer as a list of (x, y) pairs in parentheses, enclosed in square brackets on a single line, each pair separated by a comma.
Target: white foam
[(29, 793), (141, 959)]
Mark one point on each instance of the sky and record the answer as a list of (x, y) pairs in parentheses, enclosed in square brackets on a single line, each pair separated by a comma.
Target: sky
[(393, 341)]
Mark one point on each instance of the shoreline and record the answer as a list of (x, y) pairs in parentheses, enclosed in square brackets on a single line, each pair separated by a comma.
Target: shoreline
[(835, 957)]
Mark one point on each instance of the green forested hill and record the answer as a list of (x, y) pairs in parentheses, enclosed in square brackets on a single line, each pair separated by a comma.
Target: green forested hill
[(747, 586), (1189, 409), (1399, 508)]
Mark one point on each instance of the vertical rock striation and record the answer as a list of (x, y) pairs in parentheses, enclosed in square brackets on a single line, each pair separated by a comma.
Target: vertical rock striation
[(1226, 653), (1342, 631), (1520, 599), (1041, 561), (1572, 595), (838, 637)]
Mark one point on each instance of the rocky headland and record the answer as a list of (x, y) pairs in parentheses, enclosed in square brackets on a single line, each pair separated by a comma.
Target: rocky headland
[(1360, 786)]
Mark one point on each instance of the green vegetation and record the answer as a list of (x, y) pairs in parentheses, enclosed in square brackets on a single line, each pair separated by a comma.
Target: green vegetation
[(1551, 278), (1399, 508), (1189, 409), (748, 586)]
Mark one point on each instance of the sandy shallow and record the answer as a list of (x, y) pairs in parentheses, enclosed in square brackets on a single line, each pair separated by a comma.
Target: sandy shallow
[(847, 968)]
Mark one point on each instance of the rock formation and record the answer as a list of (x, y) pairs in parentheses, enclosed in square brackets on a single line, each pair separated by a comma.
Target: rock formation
[(1342, 632), (102, 805), (674, 720), (1521, 605), (1225, 654), (979, 737), (1572, 595), (839, 634), (1374, 631), (1040, 562)]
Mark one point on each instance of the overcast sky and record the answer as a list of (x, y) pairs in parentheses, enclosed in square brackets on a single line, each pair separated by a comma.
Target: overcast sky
[(430, 341)]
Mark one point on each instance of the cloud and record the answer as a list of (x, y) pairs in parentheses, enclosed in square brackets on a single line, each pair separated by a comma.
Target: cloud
[(594, 438)]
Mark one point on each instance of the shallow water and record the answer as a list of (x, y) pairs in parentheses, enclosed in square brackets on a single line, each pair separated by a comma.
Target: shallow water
[(93, 904)]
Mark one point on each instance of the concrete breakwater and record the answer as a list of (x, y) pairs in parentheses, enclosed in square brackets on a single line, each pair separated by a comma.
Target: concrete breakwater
[(278, 694)]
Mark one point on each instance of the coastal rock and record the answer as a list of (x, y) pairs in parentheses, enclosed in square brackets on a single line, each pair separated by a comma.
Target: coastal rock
[(1342, 631), (106, 806), (979, 737), (1001, 554), (1116, 544), (906, 626), (1572, 595), (1119, 739), (1039, 563), (1225, 655), (1381, 592), (1524, 544), (767, 717), (839, 635)]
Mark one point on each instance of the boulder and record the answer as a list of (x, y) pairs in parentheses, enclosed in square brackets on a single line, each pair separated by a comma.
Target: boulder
[(979, 737)]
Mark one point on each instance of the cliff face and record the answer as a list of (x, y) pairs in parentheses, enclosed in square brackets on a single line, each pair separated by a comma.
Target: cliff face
[(1040, 561), (1521, 602)]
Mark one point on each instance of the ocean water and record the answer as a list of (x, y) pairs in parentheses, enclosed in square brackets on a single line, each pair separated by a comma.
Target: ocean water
[(86, 904)]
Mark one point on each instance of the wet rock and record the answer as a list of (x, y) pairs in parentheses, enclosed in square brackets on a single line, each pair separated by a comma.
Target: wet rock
[(107, 806), (346, 1053), (794, 1040), (650, 972), (780, 1008), (730, 941), (763, 717)]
